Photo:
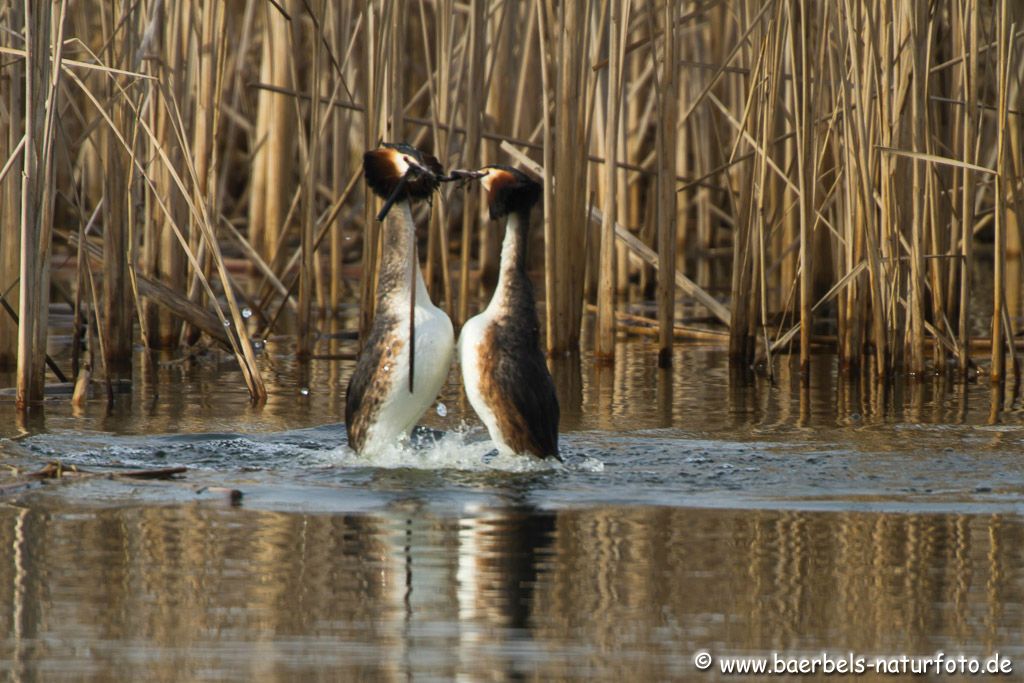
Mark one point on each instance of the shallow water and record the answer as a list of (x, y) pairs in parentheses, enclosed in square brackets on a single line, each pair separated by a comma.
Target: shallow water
[(696, 510)]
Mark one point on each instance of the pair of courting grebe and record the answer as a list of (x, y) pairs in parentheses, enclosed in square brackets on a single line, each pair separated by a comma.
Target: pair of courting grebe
[(503, 369)]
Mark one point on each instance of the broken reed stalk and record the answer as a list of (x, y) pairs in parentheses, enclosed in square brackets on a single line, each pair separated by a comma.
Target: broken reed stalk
[(199, 216)]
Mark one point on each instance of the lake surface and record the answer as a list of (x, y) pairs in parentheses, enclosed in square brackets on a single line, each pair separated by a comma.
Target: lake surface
[(697, 511)]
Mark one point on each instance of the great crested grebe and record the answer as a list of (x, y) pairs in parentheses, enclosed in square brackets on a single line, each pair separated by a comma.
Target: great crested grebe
[(409, 350), (503, 368)]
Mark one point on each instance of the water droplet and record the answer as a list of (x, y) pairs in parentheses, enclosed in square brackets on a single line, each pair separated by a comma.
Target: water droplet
[(348, 238), (386, 368), (442, 410), (246, 312), (257, 344), (227, 323), (304, 391)]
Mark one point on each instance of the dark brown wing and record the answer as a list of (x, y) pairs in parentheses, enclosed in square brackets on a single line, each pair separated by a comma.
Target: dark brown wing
[(530, 392), (523, 392)]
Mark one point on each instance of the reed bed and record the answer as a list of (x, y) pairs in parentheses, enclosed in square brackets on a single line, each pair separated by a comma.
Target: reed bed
[(779, 173)]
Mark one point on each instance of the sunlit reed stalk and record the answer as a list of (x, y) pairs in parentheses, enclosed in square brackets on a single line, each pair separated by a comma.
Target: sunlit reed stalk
[(497, 110), (438, 273), (476, 50), (306, 265), (12, 125), (800, 36), (1001, 187), (547, 150), (372, 135), (919, 36), (605, 333), (666, 88), (117, 301), (274, 141), (340, 139), (569, 195), (44, 26)]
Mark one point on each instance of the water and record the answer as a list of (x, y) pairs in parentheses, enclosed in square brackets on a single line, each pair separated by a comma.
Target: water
[(695, 511)]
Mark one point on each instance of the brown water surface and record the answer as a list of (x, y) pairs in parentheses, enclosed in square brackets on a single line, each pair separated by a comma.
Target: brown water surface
[(697, 510)]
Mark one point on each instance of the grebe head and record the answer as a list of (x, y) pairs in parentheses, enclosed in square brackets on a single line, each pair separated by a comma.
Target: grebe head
[(397, 171), (509, 190)]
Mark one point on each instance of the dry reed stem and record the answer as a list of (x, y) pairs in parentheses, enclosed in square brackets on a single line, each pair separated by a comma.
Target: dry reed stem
[(274, 142), (42, 77), (476, 51), (873, 141), (117, 312), (12, 142), (1002, 183), (306, 265), (666, 89), (605, 332), (372, 134), (800, 35), (240, 342)]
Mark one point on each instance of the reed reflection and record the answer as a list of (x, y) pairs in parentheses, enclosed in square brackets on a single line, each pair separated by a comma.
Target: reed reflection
[(195, 395), (193, 591)]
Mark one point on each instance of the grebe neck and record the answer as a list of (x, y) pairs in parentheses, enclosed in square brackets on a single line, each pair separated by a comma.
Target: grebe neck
[(513, 255), (398, 257)]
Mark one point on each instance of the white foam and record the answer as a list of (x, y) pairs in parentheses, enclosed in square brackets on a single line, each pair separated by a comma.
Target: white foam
[(588, 465), (458, 449)]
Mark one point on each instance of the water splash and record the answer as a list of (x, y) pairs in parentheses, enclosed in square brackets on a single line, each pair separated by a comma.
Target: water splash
[(454, 450)]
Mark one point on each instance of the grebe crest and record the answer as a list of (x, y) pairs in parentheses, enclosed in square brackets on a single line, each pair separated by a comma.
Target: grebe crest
[(393, 164), (509, 190)]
